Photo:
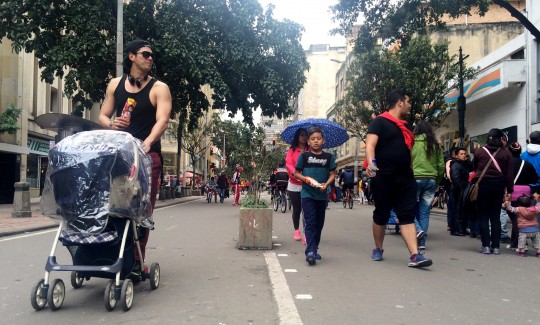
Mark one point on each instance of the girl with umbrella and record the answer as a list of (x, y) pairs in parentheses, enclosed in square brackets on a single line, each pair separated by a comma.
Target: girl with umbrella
[(298, 146)]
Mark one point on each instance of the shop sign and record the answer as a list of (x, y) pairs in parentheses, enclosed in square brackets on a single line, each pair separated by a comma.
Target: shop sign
[(38, 146)]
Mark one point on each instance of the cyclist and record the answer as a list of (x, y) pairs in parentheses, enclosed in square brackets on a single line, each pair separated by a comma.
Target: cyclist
[(347, 182), (281, 178), (211, 186)]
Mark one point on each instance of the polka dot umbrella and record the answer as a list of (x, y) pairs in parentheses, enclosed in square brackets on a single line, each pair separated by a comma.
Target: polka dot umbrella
[(334, 134)]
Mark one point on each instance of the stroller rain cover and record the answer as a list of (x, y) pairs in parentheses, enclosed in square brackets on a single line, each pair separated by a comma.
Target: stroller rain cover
[(90, 176)]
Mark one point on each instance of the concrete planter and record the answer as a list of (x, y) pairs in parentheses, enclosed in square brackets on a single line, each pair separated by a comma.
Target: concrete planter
[(255, 230)]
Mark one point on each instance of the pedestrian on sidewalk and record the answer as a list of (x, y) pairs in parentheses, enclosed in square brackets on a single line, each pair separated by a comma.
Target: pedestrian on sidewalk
[(316, 169), (142, 106), (428, 168), (527, 223), (459, 174), (223, 185), (298, 146), (237, 177), (389, 143), (498, 164)]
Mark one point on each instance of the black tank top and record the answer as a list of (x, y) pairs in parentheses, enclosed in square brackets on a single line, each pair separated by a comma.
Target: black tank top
[(143, 113)]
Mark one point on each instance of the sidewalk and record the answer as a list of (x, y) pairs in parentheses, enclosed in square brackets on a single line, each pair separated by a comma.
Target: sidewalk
[(13, 226)]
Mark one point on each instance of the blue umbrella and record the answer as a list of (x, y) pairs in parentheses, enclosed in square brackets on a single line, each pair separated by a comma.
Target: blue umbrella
[(334, 134)]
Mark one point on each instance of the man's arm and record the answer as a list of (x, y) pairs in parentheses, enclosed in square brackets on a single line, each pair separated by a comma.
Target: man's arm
[(107, 107), (371, 143), (163, 113)]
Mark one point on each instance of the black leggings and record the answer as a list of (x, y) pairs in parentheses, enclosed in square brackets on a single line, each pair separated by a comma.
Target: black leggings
[(296, 203), (490, 197)]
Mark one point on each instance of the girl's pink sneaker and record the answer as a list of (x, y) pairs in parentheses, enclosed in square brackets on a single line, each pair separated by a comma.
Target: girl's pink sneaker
[(297, 235)]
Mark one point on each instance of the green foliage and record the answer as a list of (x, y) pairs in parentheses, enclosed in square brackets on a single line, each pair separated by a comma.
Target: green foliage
[(9, 119), (392, 20), (251, 201), (249, 58), (423, 69)]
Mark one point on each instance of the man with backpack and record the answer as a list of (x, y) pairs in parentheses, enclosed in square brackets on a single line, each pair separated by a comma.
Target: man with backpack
[(346, 180)]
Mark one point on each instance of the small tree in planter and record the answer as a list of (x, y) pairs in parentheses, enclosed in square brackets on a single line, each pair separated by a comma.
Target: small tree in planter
[(255, 230)]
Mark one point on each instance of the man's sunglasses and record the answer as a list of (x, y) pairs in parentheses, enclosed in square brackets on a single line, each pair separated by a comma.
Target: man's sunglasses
[(147, 54)]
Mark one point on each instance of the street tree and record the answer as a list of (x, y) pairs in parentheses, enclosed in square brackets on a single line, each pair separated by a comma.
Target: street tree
[(423, 69), (241, 51), (196, 144), (9, 120)]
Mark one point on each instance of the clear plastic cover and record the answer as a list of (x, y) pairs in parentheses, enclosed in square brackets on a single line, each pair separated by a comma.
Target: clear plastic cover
[(96, 174)]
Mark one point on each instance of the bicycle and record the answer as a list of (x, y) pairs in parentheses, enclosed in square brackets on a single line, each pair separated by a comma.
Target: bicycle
[(280, 201), (347, 199), (209, 195)]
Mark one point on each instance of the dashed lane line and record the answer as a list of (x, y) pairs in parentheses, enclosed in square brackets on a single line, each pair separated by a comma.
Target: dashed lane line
[(287, 312)]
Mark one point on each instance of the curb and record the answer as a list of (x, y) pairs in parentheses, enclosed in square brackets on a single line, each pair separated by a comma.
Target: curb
[(40, 228)]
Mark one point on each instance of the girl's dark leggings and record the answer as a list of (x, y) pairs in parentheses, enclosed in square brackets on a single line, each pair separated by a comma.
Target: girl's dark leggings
[(296, 203)]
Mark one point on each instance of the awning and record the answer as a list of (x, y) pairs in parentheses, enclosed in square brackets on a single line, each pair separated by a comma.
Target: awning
[(11, 148)]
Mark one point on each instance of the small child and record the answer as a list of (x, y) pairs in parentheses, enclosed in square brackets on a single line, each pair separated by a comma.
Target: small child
[(316, 169), (527, 223)]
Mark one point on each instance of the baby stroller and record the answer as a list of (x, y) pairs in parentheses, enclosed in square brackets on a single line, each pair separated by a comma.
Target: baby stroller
[(98, 185)]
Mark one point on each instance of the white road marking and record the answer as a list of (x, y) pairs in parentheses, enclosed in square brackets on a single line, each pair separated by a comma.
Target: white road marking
[(282, 255), (290, 270), (30, 235), (274, 237), (172, 227), (287, 312), (277, 244), (304, 297)]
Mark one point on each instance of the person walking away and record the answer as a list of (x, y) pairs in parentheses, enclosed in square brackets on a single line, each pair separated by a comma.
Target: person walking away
[(389, 141), (223, 185), (212, 188), (142, 106), (237, 176), (347, 182), (459, 175), (498, 177), (524, 174), (527, 223), (294, 186), (532, 156), (428, 169), (316, 169)]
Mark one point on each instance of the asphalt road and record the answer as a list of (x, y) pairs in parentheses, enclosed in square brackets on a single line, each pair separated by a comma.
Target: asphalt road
[(206, 280)]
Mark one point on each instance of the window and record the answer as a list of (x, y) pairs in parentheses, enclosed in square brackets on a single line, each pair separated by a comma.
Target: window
[(53, 103)]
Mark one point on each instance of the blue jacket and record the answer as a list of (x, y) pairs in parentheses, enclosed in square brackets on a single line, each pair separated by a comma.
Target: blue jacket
[(532, 155)]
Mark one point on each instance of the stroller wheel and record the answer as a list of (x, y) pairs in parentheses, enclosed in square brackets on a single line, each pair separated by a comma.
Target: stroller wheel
[(36, 297), (56, 294), (126, 297), (110, 301), (76, 280), (154, 276)]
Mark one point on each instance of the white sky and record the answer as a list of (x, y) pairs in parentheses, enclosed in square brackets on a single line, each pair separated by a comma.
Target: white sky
[(316, 18), (314, 15)]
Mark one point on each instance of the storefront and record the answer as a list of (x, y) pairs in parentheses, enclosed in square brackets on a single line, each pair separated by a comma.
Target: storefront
[(10, 162), (37, 164)]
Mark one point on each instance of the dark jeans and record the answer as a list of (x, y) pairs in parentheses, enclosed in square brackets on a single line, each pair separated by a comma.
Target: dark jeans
[(314, 213), (221, 192), (450, 207), (490, 198), (296, 202), (396, 192), (459, 217)]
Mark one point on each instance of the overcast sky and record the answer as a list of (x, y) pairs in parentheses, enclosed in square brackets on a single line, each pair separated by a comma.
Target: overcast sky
[(314, 15)]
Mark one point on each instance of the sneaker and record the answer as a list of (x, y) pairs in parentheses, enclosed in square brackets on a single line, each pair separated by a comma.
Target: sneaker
[(418, 260), (420, 235), (318, 257), (496, 251), (297, 235), (304, 242), (485, 250), (522, 254), (376, 255), (311, 258)]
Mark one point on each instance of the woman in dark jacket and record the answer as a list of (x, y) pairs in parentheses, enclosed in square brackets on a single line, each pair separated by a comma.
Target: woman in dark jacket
[(499, 177), (526, 176)]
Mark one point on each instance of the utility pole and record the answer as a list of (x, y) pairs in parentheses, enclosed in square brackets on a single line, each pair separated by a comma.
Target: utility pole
[(119, 37), (461, 102)]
